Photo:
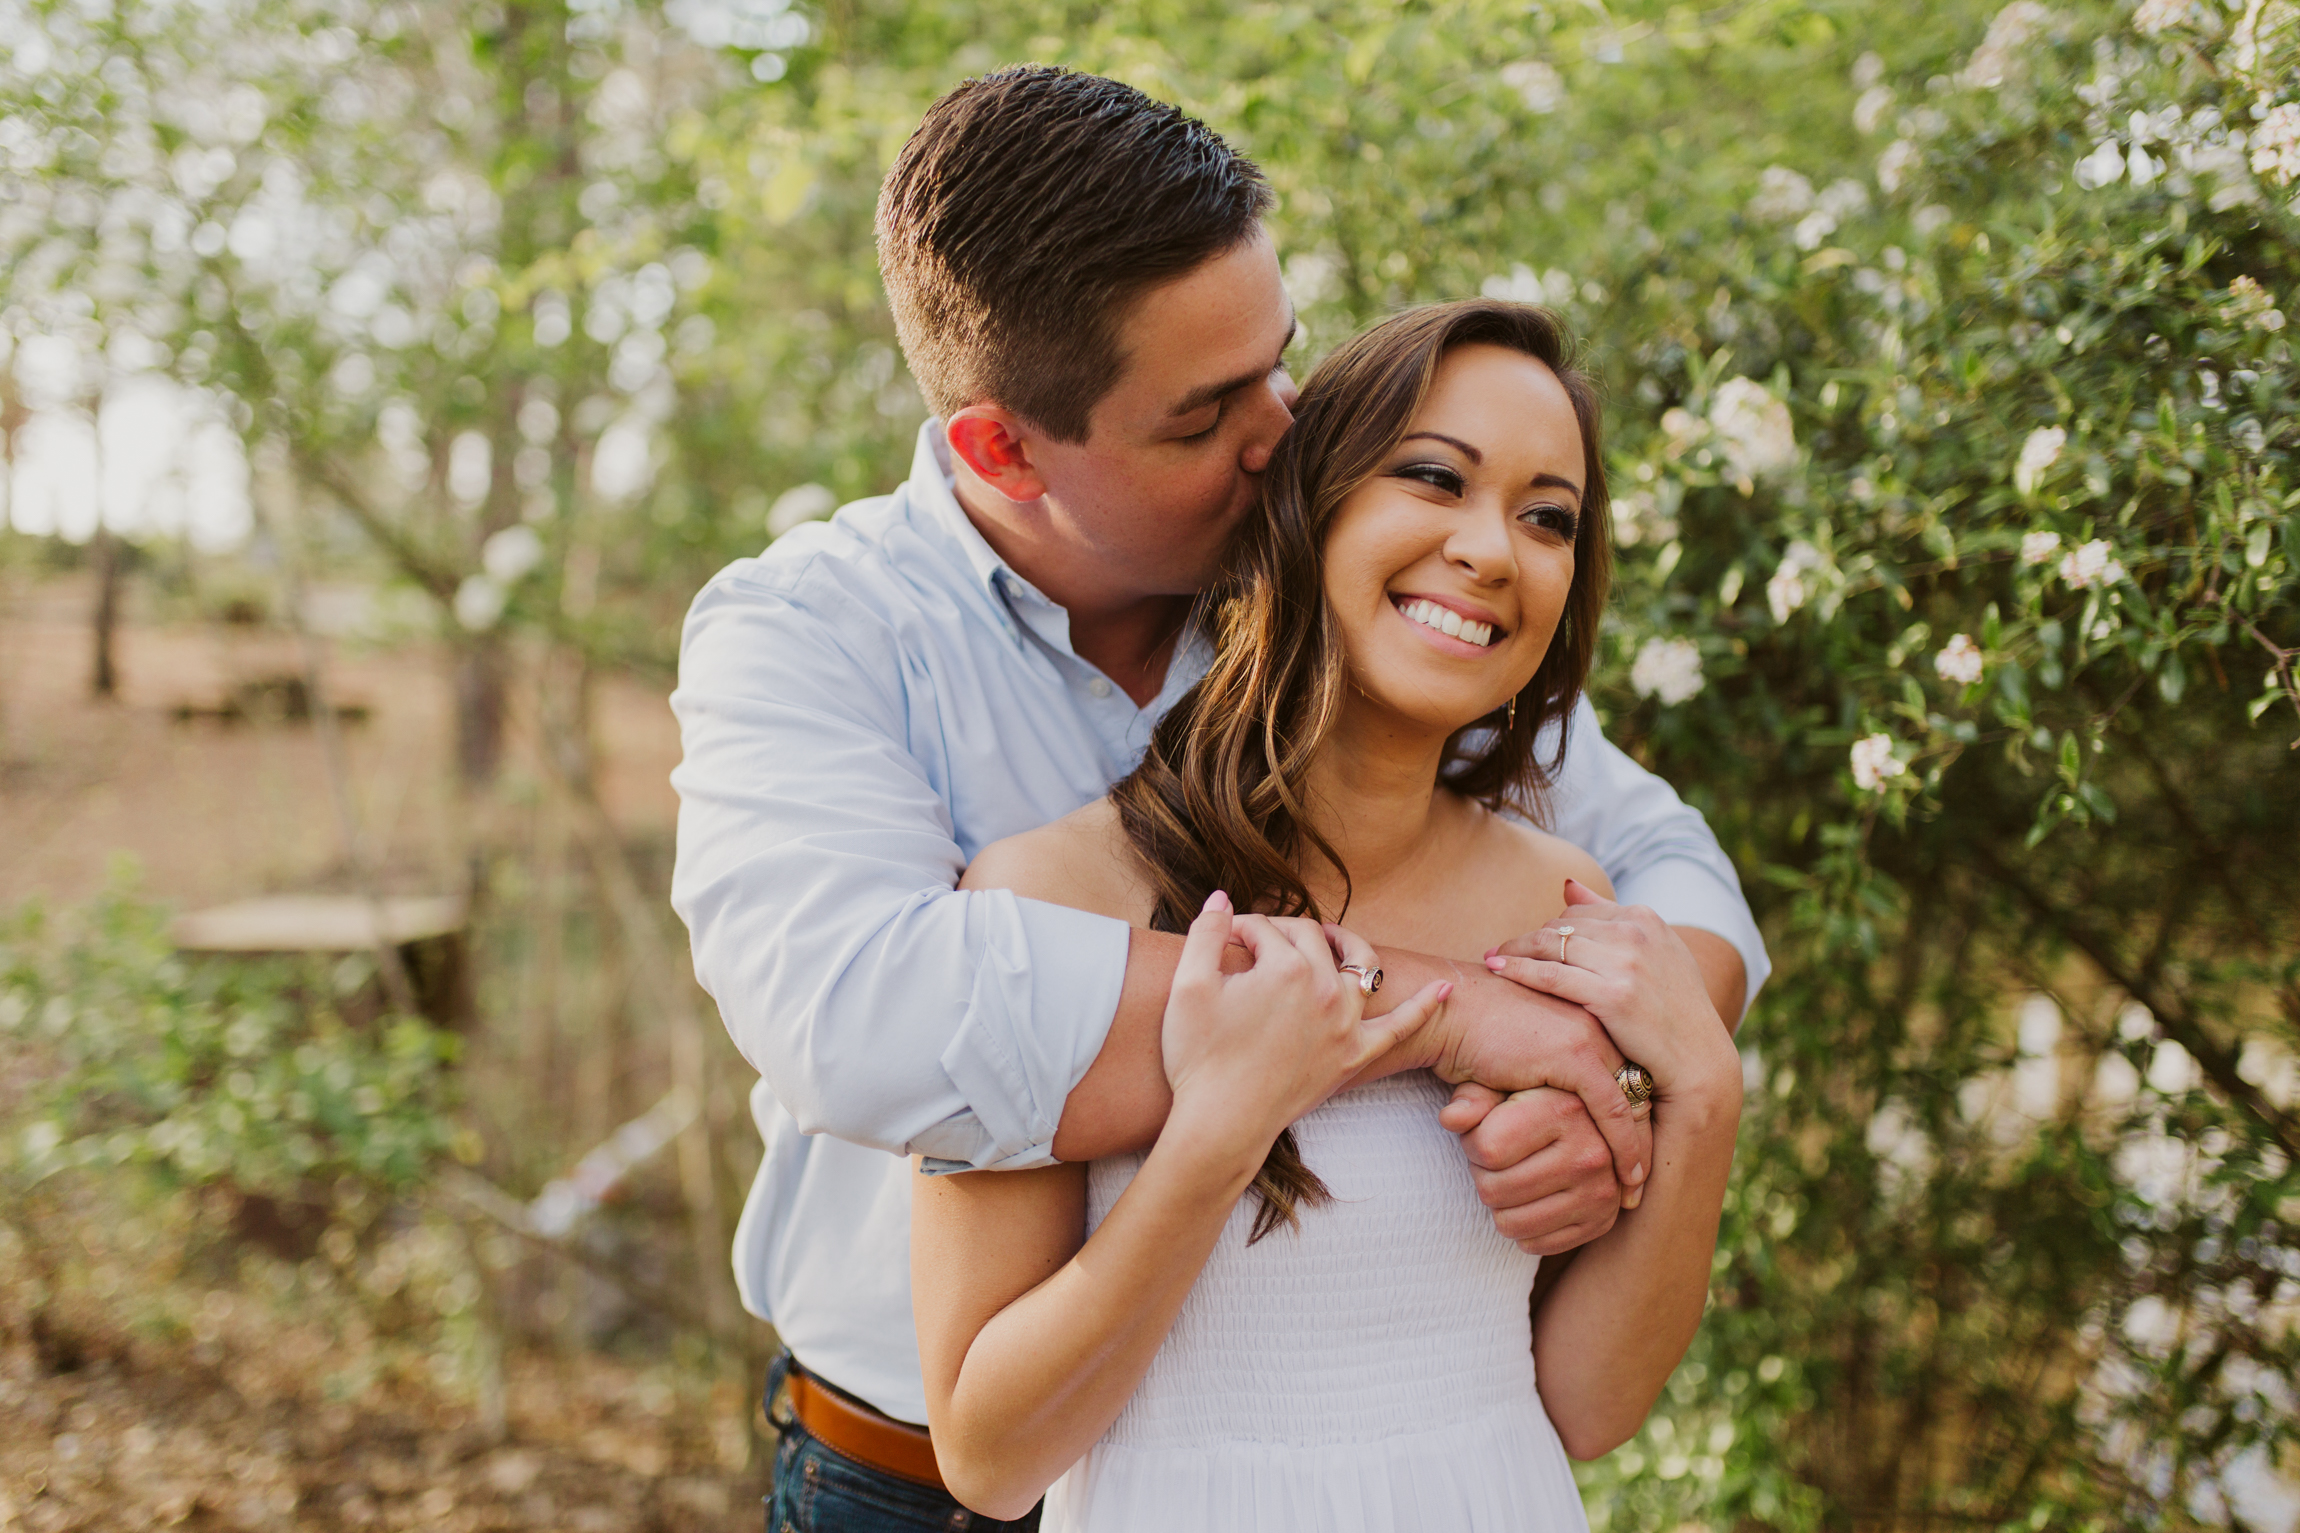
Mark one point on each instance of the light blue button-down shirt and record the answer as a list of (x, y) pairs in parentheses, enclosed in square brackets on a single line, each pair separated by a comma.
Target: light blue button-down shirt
[(864, 707)]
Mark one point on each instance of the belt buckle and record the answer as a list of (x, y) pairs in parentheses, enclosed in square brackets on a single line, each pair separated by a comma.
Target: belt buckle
[(781, 1413)]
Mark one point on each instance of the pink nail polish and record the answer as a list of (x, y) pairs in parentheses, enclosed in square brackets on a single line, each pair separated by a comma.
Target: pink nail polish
[(1494, 964)]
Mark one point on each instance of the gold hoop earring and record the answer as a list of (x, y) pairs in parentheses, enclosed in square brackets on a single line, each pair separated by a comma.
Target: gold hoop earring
[(1512, 724)]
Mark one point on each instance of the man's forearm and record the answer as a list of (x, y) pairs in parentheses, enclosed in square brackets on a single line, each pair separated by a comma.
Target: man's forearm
[(1120, 1104), (1723, 974)]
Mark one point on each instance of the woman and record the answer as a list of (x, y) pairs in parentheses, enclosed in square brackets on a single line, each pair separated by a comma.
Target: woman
[(1350, 1345)]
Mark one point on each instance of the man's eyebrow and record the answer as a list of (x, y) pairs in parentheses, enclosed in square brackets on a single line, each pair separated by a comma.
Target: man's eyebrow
[(1552, 481), (1199, 398)]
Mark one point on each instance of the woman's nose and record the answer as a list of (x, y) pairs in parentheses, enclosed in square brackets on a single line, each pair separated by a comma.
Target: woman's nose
[(1274, 412), (1480, 547)]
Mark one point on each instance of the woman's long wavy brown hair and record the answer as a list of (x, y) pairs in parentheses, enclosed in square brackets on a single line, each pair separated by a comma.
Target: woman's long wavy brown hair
[(1217, 801)]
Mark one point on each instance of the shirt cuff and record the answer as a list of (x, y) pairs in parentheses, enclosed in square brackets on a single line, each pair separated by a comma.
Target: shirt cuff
[(1686, 891), (1045, 992)]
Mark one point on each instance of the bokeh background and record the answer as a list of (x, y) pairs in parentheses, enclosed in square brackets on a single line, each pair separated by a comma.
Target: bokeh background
[(378, 380)]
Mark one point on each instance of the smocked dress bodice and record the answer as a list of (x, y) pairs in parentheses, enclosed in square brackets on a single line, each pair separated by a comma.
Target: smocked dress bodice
[(1371, 1372)]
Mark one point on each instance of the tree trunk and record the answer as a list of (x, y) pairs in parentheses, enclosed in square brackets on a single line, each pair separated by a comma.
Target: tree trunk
[(105, 682), (482, 689)]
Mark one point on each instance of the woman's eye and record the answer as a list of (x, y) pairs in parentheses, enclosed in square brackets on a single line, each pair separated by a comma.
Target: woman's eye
[(1436, 475), (1555, 519)]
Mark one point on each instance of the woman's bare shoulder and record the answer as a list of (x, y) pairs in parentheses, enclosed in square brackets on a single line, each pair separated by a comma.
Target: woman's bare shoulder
[(1543, 862), (1082, 860)]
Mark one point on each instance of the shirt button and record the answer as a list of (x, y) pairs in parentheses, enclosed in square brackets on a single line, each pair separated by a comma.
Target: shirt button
[(1099, 687)]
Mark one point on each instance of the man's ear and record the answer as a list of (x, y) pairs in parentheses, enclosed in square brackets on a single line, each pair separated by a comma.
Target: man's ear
[(995, 444)]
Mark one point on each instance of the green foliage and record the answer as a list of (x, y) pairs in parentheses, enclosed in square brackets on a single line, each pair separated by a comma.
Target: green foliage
[(1992, 469), (1952, 423), (203, 1072)]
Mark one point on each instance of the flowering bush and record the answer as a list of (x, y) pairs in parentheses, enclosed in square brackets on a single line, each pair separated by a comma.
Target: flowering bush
[(2014, 716)]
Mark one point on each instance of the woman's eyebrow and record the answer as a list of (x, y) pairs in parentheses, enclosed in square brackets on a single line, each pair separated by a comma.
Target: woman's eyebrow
[(1551, 481), (1454, 442)]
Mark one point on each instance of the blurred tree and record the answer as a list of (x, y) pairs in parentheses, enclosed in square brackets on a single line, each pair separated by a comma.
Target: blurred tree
[(1952, 425)]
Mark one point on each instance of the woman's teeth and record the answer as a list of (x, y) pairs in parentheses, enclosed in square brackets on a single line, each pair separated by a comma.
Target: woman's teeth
[(1448, 622)]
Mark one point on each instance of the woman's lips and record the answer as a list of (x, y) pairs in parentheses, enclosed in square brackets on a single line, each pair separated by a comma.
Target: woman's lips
[(1443, 621)]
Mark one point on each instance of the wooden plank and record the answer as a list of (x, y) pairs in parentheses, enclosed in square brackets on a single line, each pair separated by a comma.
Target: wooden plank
[(317, 923)]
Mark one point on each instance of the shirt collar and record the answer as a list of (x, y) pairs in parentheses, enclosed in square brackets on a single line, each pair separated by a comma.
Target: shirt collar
[(933, 489)]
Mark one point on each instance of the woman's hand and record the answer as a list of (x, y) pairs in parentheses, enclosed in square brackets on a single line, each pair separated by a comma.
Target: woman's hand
[(1637, 977), (1249, 1053)]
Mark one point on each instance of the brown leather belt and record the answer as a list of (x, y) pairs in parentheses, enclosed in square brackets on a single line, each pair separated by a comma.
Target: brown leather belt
[(862, 1434)]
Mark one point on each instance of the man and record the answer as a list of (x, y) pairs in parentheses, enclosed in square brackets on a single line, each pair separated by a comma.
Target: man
[(1087, 297)]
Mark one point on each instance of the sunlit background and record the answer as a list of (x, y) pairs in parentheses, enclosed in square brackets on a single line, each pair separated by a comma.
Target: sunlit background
[(379, 380)]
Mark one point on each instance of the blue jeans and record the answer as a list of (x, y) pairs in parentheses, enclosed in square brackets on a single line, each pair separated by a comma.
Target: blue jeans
[(820, 1490)]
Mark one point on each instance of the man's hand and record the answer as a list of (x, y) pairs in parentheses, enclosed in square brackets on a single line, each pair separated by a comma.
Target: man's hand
[(1510, 1038), (1539, 1164)]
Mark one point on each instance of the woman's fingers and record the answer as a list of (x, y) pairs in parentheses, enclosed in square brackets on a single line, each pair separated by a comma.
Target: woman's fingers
[(1348, 947), (1579, 893), (1202, 947), (1309, 939), (1385, 1032), (1572, 982)]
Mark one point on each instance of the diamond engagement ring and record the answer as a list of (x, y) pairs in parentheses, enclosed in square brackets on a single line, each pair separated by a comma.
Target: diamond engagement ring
[(1369, 980), (1635, 1083), (1564, 939)]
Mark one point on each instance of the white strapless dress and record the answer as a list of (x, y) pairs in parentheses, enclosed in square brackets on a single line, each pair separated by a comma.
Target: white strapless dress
[(1371, 1373)]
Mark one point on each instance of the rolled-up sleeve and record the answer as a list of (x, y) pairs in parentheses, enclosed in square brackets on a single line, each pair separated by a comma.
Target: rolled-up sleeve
[(1656, 848), (815, 872)]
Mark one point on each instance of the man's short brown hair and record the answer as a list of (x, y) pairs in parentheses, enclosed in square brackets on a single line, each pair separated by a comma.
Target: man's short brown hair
[(1030, 207)]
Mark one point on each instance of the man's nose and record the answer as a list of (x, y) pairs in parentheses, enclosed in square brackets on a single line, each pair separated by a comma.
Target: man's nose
[(1274, 413)]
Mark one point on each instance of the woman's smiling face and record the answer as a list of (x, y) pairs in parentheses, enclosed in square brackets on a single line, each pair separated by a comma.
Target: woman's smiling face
[(1449, 569)]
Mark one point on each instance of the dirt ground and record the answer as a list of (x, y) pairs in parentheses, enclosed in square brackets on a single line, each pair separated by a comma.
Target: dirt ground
[(231, 1427), (135, 1395), (219, 811)]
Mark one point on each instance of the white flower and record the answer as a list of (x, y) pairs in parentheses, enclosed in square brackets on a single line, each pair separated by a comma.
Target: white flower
[(2040, 452), (1684, 430), (1784, 593), (1787, 590), (1669, 669), (2253, 305), (1870, 110), (478, 603), (1844, 198), (1813, 228), (1782, 194), (1893, 166), (2156, 16), (1539, 86), (1874, 761), (1754, 428), (2091, 566), (1959, 660), (2102, 166), (2036, 547), (1522, 285), (510, 554), (1998, 54), (2276, 145), (1638, 518), (1312, 277)]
